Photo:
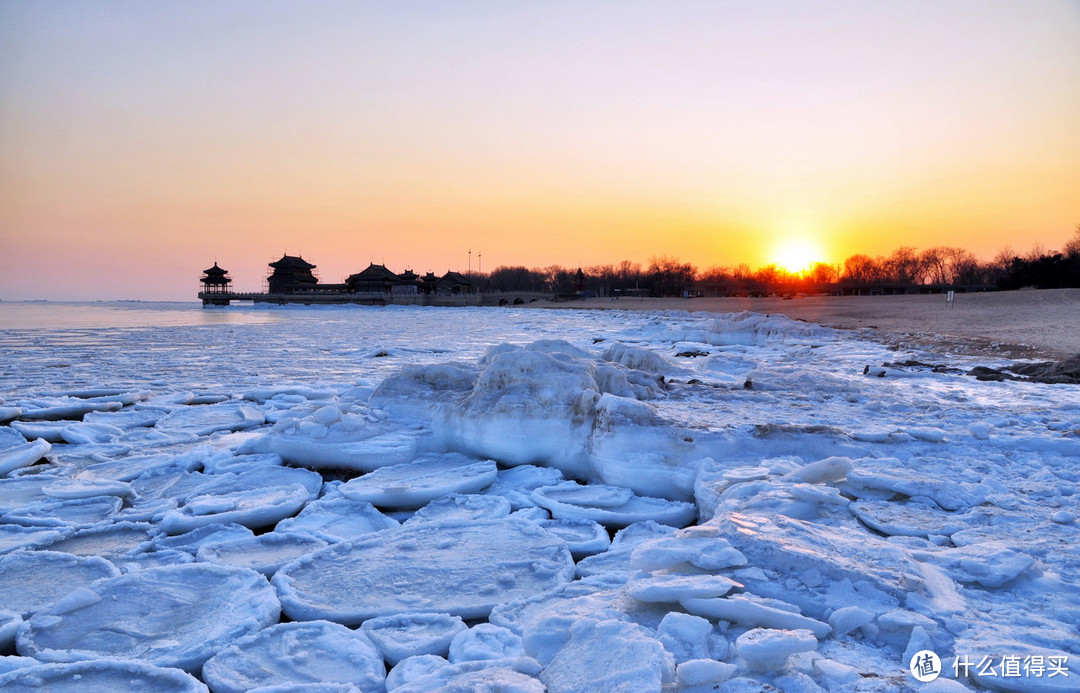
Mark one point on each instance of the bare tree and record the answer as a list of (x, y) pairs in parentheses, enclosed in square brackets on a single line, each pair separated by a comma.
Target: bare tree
[(823, 273), (769, 274), (716, 273), (963, 266), (904, 266), (861, 268), (935, 265), (1072, 247), (669, 276)]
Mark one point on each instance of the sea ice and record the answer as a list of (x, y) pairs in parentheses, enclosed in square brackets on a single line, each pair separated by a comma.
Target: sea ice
[(460, 569), (130, 468), (797, 464), (74, 513), (485, 641), (611, 506), (751, 610), (151, 559), (430, 674), (18, 492), (835, 553), (15, 537), (582, 537), (264, 553), (891, 475), (115, 539), (769, 649), (414, 484), (609, 657), (87, 488), (194, 540), (703, 672), (127, 418), (100, 675), (911, 519), (684, 636), (706, 552), (516, 484), (50, 431), (294, 653), (64, 408), (33, 580), (350, 437), (175, 616), (616, 560), (335, 518), (402, 636), (259, 507), (16, 452), (462, 507), (203, 420), (10, 623), (674, 587)]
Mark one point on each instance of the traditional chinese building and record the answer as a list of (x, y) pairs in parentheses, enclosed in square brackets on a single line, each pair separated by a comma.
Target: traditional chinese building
[(292, 274), (428, 283), (293, 280), (452, 284), (215, 285), (372, 279)]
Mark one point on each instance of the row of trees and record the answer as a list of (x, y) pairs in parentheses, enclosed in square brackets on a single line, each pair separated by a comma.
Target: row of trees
[(906, 266)]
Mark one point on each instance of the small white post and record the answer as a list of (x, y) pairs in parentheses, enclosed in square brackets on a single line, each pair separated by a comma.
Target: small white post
[(949, 296)]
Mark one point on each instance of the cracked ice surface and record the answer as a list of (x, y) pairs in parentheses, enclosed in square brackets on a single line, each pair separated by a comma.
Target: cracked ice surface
[(453, 499)]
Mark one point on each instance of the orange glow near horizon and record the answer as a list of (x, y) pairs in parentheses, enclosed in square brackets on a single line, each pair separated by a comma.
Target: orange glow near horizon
[(798, 254), (138, 147)]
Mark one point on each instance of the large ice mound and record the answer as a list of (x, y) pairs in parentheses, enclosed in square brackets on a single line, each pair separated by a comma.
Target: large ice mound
[(548, 403)]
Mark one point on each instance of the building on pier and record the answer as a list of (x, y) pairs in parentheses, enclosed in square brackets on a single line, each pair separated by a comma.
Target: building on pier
[(215, 283)]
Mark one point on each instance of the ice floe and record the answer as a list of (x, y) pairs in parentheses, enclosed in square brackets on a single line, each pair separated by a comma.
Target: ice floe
[(264, 553), (33, 580), (460, 569), (335, 518), (174, 616), (415, 484), (402, 636), (462, 507), (17, 452), (101, 675), (253, 508), (311, 652), (611, 506), (606, 656)]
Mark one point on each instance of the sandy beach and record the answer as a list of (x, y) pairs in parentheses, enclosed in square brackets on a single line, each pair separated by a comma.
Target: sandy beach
[(1013, 324)]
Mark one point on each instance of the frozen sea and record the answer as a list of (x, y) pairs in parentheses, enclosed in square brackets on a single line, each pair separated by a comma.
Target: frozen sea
[(481, 499)]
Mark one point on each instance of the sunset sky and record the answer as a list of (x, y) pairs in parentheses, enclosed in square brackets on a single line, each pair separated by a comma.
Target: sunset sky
[(142, 141)]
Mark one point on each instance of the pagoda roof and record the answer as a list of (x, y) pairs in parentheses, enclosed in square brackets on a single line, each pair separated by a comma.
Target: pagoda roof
[(455, 278), (373, 272), (215, 270), (292, 262)]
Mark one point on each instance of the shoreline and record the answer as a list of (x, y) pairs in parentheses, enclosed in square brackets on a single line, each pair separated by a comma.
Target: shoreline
[(1025, 324)]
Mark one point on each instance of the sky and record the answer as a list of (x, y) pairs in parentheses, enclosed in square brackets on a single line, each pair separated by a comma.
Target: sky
[(141, 142)]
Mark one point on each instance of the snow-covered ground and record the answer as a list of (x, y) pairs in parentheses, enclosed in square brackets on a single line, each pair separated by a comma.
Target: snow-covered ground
[(419, 499)]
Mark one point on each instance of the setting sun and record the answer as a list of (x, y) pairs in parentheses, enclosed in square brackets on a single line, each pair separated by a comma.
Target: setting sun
[(797, 255)]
